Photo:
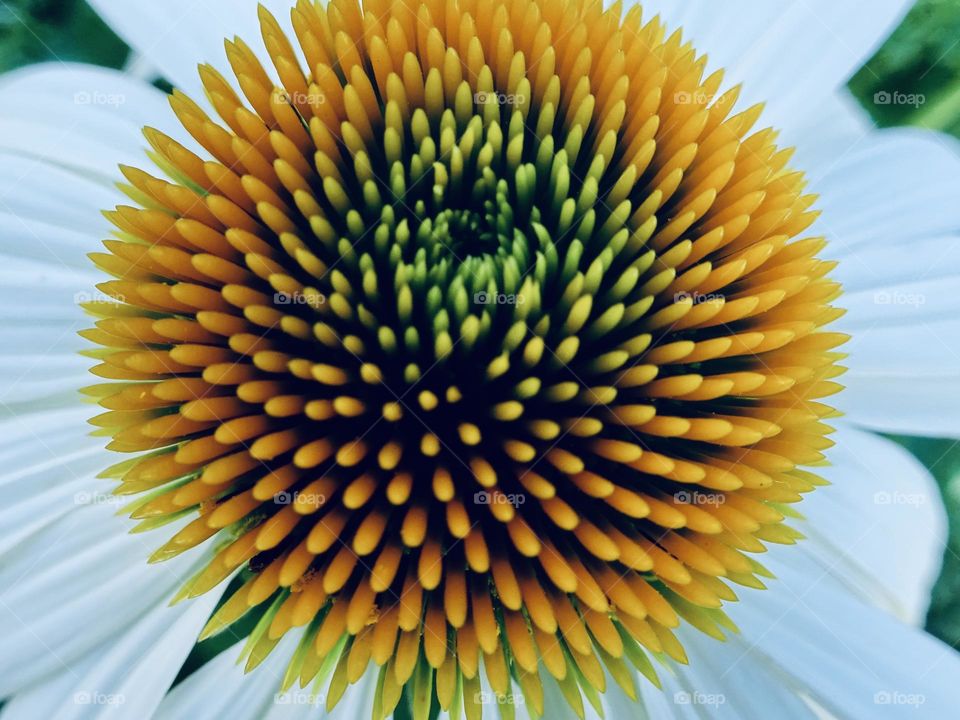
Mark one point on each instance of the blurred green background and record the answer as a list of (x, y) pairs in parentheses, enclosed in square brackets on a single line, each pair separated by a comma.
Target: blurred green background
[(922, 57)]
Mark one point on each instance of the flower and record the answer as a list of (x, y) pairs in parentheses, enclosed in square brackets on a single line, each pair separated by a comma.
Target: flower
[(519, 355), (419, 286)]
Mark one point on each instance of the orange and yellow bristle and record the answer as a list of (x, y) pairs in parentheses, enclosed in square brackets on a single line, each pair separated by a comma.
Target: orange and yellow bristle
[(487, 338)]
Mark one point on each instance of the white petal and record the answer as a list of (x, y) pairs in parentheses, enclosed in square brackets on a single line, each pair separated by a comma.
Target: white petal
[(719, 683), (880, 529), (875, 542), (125, 677), (221, 688), (896, 183), (63, 129), (85, 566), (823, 626), (890, 213), (51, 214), (50, 467), (81, 117), (49, 219), (850, 657), (178, 35), (840, 128), (789, 55), (702, 689), (40, 363)]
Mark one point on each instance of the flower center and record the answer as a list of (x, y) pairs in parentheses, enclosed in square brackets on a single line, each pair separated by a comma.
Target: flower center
[(485, 336)]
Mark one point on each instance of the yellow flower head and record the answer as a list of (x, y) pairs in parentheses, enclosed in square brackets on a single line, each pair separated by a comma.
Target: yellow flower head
[(487, 336)]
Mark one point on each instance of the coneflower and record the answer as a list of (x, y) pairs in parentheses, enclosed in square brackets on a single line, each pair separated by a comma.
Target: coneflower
[(488, 339)]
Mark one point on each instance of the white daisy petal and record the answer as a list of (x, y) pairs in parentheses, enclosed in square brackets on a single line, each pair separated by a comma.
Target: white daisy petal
[(125, 677), (880, 529), (789, 55), (211, 689), (221, 688), (50, 468), (50, 219), (823, 627), (50, 214), (895, 183), (851, 658), (918, 406), (697, 691), (40, 363), (839, 129), (80, 117), (930, 353), (875, 537), (47, 366), (900, 297), (82, 565), (179, 34), (719, 683), (63, 130), (39, 321)]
